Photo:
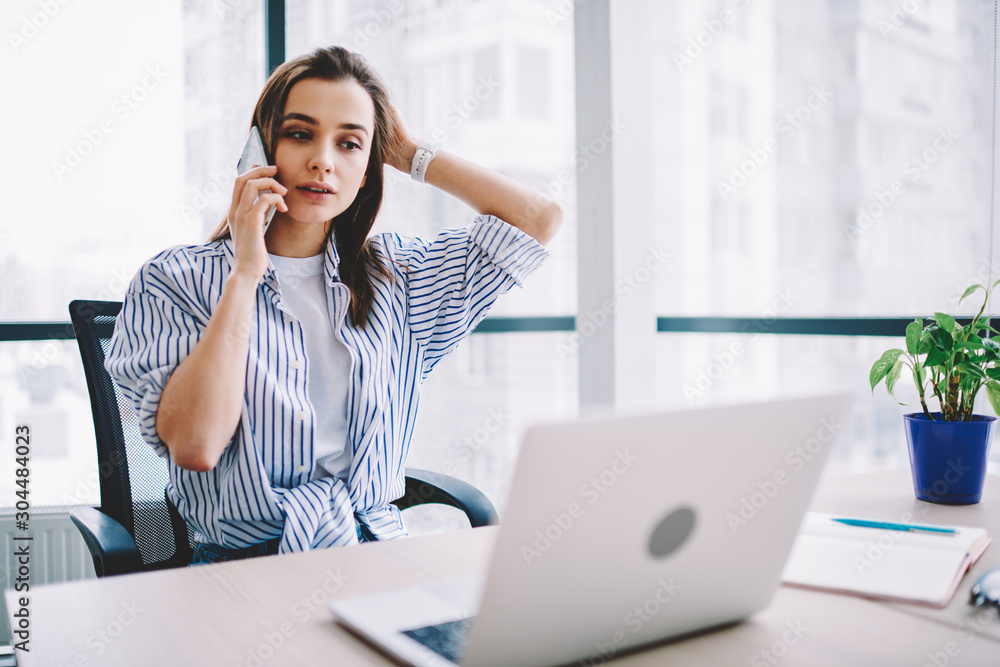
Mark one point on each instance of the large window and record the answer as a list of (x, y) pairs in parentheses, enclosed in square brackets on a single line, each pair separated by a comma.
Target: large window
[(838, 151), (490, 80), (774, 158), (503, 98), (126, 120), (819, 158)]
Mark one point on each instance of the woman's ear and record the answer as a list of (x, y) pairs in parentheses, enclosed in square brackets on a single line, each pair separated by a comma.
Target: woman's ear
[(363, 179)]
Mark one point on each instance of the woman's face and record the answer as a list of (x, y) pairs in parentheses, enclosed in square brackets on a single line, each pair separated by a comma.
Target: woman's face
[(324, 142)]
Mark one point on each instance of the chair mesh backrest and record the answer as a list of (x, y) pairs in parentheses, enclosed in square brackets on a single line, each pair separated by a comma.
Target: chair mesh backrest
[(133, 477)]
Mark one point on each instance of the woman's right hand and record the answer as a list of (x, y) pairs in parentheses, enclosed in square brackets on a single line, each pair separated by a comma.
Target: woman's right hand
[(246, 217)]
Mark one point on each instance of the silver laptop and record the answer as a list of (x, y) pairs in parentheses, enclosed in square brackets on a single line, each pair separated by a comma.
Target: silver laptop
[(621, 531)]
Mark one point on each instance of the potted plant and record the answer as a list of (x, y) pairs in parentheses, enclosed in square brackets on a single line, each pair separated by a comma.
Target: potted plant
[(949, 449)]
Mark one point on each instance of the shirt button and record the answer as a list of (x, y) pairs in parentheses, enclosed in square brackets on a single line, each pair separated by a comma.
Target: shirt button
[(300, 415), (296, 364), (301, 468)]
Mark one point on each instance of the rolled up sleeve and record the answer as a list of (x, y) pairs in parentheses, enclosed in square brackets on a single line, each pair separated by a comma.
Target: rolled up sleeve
[(151, 338), (454, 279)]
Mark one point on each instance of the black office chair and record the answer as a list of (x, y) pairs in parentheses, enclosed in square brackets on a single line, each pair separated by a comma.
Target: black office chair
[(137, 528)]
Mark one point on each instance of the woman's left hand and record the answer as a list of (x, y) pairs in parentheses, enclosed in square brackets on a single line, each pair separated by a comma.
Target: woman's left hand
[(401, 147), (486, 191)]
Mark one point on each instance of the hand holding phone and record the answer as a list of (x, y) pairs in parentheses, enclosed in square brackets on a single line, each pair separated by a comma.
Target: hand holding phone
[(253, 155)]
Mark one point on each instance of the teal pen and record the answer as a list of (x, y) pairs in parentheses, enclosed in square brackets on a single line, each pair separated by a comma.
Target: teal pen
[(895, 526)]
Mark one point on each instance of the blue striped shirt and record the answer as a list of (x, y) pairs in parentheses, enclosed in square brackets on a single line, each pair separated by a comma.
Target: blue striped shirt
[(260, 489)]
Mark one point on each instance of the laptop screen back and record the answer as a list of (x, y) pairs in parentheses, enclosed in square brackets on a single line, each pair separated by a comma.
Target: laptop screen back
[(621, 531)]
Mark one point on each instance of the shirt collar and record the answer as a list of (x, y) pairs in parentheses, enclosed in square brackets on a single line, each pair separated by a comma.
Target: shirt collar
[(331, 263), (331, 266)]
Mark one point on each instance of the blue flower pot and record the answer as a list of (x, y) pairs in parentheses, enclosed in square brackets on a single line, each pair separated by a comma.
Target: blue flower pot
[(948, 459)]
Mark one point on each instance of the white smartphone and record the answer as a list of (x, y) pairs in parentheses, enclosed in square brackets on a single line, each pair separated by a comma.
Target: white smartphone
[(253, 154)]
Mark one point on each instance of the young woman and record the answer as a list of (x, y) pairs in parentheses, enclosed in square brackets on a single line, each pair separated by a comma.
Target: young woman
[(279, 372)]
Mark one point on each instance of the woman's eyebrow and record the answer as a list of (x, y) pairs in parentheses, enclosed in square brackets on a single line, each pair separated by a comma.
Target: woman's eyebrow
[(354, 126), (299, 116), (312, 121)]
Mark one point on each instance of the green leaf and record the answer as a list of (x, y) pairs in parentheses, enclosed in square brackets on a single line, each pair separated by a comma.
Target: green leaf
[(974, 343), (969, 290), (913, 331), (947, 322), (882, 367), (893, 376), (926, 343), (993, 373), (972, 370), (993, 392), (976, 358), (942, 338), (935, 357)]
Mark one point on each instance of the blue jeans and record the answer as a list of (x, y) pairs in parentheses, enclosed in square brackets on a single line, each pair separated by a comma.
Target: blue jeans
[(205, 552)]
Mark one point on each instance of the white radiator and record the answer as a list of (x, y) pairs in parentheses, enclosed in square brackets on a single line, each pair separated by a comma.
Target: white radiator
[(58, 553)]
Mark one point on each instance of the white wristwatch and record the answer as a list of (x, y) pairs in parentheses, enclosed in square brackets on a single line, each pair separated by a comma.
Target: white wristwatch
[(422, 158)]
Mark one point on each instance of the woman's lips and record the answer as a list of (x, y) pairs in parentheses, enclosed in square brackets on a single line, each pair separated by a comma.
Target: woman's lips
[(313, 195)]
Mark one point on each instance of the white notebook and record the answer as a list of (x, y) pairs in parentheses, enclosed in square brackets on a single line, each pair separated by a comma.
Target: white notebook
[(896, 565)]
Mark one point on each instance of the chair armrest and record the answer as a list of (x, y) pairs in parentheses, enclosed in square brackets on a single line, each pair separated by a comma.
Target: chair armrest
[(111, 546), (424, 486)]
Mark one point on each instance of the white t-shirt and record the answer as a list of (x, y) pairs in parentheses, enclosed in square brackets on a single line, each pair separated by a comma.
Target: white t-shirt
[(303, 294)]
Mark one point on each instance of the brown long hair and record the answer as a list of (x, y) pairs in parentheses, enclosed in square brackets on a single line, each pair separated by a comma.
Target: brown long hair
[(350, 229)]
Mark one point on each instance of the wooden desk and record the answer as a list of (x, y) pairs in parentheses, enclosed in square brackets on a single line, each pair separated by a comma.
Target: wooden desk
[(272, 611)]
